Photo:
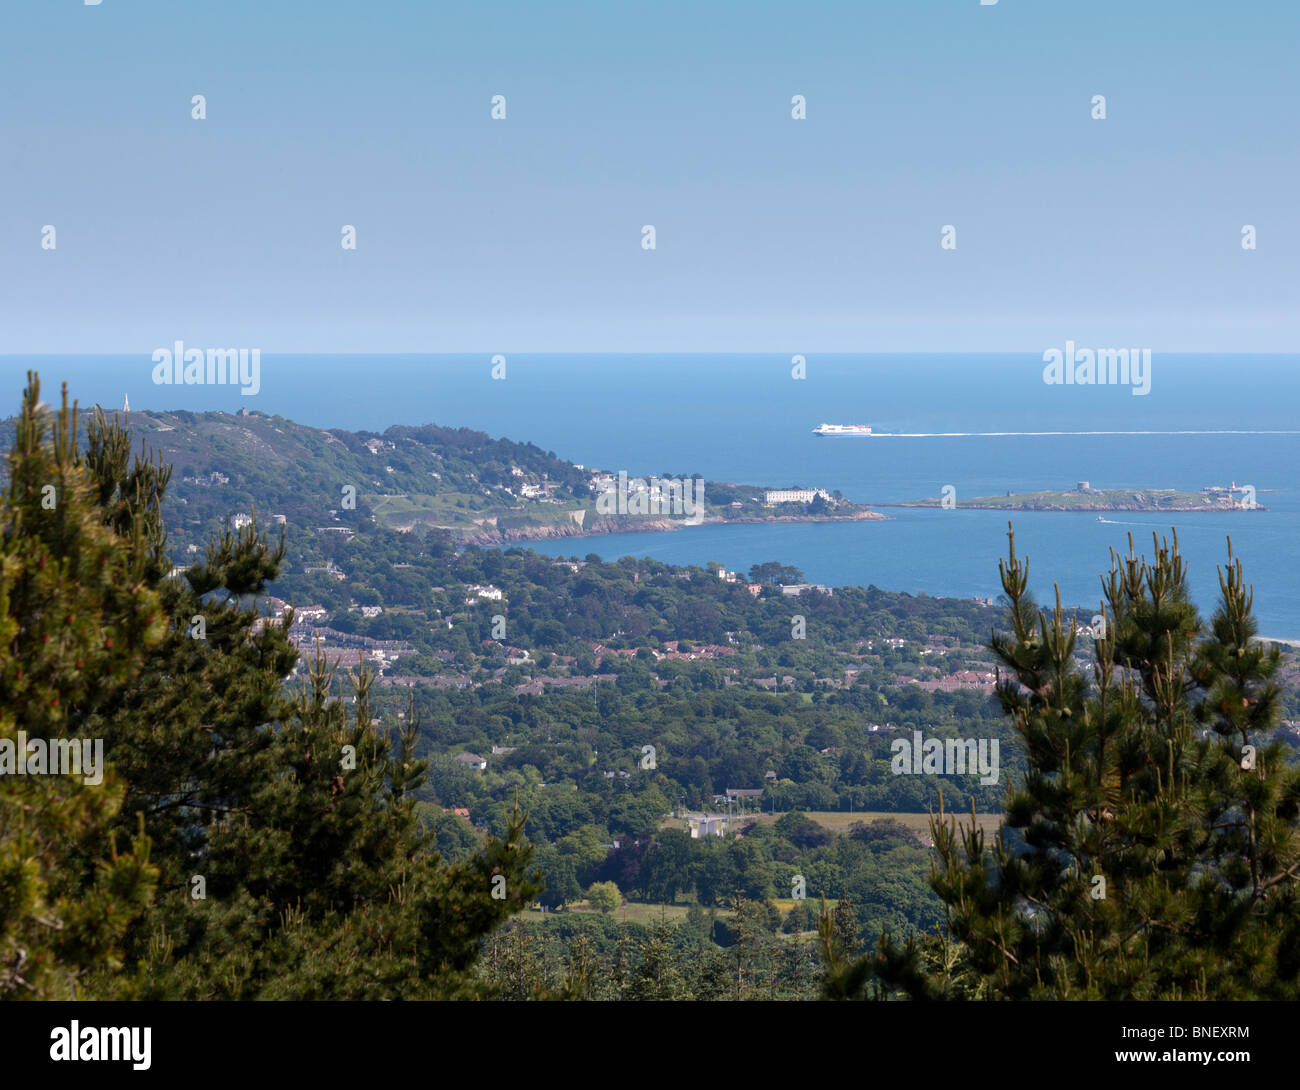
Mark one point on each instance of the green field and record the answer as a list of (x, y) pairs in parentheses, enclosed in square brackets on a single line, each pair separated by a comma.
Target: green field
[(407, 508), (456, 509), (839, 821), (638, 913)]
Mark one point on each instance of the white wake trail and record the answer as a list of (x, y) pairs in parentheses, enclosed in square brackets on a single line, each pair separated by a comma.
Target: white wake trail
[(1018, 434)]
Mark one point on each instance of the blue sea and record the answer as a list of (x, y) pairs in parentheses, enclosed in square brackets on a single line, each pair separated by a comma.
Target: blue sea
[(1208, 419)]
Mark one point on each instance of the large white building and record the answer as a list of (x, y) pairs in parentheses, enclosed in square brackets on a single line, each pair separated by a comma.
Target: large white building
[(795, 495), (703, 825)]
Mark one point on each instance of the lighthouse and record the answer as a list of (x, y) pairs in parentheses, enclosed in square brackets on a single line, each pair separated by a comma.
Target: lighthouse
[(126, 403)]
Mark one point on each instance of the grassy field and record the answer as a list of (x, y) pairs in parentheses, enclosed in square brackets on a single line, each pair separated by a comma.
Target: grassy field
[(838, 821), (409, 508), (459, 509), (638, 913)]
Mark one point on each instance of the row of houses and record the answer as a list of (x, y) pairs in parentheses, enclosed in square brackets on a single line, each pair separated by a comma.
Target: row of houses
[(754, 589), (538, 685), (793, 590), (241, 519), (327, 568)]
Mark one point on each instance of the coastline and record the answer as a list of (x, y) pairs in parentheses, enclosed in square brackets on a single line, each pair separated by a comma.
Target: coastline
[(625, 524), (1133, 510), (1000, 504)]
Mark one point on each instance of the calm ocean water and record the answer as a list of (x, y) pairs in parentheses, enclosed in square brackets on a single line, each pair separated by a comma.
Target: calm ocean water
[(745, 419)]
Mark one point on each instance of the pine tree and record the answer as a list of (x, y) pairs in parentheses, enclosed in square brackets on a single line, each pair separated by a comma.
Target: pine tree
[(75, 621), (521, 969), (798, 971), (753, 953), (614, 984), (580, 969), (709, 973), (275, 849), (1152, 850), (658, 976)]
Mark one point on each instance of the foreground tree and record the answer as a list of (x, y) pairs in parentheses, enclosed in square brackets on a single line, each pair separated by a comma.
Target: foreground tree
[(280, 855), (1153, 850), (76, 621)]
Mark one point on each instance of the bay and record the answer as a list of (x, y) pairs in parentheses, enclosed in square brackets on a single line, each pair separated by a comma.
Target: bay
[(1208, 419)]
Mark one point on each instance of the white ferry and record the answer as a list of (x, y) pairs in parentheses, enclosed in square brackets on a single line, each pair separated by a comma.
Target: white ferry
[(847, 430)]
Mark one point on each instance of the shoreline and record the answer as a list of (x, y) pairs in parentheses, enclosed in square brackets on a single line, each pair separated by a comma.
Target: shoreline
[(651, 526), (1051, 509)]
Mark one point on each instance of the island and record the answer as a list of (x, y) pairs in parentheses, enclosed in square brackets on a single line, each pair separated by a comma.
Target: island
[(1083, 497)]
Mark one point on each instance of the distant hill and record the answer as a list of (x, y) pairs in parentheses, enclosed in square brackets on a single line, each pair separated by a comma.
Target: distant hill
[(482, 490), (224, 464)]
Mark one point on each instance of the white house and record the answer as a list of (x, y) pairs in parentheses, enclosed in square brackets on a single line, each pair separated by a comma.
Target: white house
[(704, 825), (793, 590)]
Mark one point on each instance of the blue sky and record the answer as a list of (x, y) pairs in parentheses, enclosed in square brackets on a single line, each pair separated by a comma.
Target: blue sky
[(523, 235)]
